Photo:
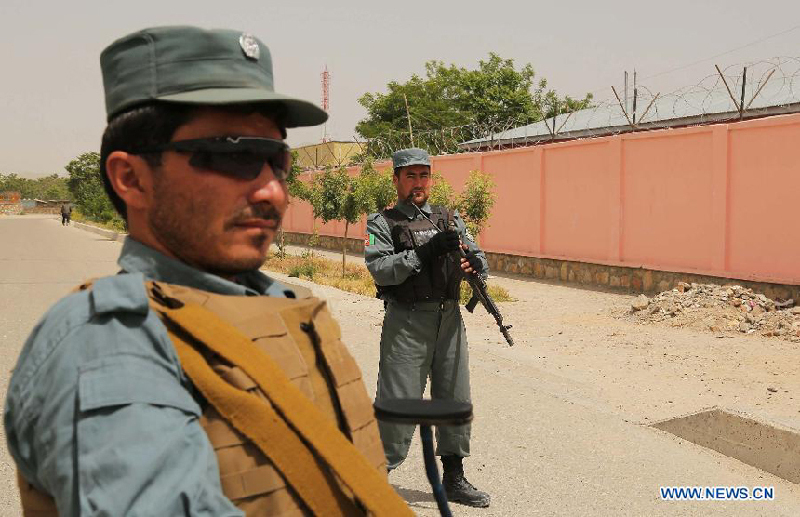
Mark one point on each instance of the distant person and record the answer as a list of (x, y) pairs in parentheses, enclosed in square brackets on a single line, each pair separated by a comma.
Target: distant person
[(191, 383), (418, 276), (66, 213)]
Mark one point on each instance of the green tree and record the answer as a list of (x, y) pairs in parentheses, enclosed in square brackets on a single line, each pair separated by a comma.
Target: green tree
[(12, 183), (51, 187), (480, 101), (379, 185), (295, 185), (86, 185), (335, 196), (54, 187), (476, 201), (296, 189), (328, 193), (442, 192), (363, 192)]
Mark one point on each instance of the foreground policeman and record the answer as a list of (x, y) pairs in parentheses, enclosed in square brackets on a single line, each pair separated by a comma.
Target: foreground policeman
[(191, 383), (423, 334)]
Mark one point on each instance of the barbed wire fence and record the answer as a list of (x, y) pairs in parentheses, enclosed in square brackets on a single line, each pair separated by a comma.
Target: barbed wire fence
[(736, 92)]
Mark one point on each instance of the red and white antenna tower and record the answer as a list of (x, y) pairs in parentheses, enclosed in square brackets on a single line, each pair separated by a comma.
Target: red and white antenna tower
[(326, 100)]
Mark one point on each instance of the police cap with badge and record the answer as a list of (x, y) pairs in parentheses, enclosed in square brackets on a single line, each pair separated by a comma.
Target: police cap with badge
[(190, 65), (411, 156)]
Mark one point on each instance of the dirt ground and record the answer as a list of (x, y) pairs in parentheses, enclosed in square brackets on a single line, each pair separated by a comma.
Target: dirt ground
[(583, 347), (643, 371)]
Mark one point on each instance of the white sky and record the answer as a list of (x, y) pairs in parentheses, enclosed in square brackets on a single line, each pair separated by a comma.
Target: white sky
[(51, 98)]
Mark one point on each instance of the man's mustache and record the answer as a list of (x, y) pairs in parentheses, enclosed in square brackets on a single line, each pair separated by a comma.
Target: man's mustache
[(264, 211)]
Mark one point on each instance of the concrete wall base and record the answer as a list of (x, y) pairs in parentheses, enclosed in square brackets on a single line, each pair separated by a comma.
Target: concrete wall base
[(354, 245)]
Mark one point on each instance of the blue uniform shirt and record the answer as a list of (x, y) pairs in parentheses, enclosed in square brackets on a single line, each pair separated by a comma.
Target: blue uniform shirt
[(99, 413)]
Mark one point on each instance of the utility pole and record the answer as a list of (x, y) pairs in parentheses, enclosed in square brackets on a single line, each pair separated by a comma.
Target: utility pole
[(408, 116), (635, 94), (626, 90)]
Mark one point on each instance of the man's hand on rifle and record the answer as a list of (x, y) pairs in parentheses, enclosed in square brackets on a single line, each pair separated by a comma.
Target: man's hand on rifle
[(440, 244), (471, 263)]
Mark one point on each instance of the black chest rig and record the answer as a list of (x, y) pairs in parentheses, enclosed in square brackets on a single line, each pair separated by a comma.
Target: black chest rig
[(439, 279)]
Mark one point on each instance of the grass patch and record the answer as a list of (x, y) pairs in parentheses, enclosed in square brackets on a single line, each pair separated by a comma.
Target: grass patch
[(356, 276), (116, 223), (324, 272), (496, 293)]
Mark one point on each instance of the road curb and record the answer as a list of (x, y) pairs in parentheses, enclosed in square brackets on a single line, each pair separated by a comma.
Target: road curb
[(109, 234)]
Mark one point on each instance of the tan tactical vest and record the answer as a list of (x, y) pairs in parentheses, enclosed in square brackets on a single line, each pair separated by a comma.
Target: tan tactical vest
[(303, 340)]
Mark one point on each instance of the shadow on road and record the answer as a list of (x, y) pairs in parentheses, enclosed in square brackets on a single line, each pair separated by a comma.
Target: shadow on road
[(414, 496)]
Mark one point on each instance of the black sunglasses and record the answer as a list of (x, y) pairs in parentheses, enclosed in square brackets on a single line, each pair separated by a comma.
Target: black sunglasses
[(241, 157)]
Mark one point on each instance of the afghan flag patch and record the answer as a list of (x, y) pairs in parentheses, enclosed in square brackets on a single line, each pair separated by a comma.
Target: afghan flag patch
[(369, 240)]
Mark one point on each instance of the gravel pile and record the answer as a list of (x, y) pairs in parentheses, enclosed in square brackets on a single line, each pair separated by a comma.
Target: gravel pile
[(729, 308)]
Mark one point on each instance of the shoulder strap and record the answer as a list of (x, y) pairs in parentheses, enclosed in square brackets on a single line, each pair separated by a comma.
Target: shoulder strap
[(294, 435)]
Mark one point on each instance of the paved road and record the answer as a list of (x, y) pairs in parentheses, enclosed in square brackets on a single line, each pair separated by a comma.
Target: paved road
[(40, 261), (542, 446)]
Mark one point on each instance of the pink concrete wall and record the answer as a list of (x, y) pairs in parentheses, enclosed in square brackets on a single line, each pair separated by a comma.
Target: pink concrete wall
[(576, 212), (763, 234), (717, 200), (521, 221), (666, 200)]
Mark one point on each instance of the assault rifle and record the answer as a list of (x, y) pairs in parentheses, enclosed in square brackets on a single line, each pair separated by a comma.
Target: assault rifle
[(480, 292)]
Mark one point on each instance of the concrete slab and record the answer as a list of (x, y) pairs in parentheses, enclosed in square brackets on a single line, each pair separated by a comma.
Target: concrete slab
[(769, 447)]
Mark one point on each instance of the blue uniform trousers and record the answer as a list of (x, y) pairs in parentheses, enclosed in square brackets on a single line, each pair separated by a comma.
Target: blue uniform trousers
[(426, 339)]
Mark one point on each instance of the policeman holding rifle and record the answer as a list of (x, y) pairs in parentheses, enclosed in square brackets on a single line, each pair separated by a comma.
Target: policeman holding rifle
[(417, 276)]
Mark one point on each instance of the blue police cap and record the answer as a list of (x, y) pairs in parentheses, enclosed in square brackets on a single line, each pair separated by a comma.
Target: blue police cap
[(412, 156)]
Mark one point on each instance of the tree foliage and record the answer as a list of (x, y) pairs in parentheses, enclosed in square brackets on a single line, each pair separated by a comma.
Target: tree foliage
[(52, 187), (378, 185), (483, 99), (476, 201), (442, 193), (334, 195), (86, 185), (328, 190), (295, 186)]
